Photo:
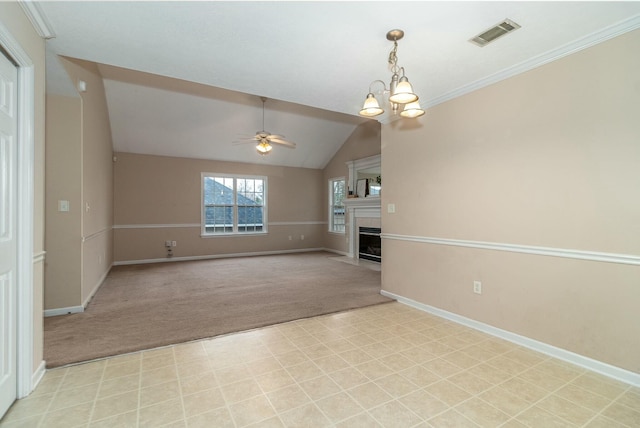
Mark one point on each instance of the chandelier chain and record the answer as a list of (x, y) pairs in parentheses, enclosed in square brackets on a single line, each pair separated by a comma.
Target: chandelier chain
[(393, 58)]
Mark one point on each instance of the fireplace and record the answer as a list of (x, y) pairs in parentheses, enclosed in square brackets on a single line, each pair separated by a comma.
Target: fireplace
[(370, 245)]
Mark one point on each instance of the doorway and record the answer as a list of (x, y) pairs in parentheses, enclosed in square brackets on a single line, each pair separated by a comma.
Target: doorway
[(8, 230), (17, 201)]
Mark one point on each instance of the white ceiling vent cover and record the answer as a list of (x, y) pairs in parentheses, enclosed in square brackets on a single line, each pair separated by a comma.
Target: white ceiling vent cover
[(494, 32)]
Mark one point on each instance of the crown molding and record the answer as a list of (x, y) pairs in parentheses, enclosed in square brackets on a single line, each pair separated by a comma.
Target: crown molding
[(592, 39), (37, 18)]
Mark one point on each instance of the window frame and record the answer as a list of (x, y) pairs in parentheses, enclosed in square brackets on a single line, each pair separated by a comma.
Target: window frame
[(331, 222), (235, 231)]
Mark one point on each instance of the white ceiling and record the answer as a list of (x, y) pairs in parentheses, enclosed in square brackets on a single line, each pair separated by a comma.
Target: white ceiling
[(313, 60)]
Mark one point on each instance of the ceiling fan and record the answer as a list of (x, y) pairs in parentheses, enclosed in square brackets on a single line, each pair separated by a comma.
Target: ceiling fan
[(265, 139)]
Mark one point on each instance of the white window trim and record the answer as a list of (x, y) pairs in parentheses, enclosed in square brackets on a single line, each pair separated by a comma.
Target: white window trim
[(205, 234), (330, 208)]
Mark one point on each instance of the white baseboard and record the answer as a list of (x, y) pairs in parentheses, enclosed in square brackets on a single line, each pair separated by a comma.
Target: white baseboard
[(214, 256), (331, 250), (38, 375), (77, 309), (605, 369), (63, 311)]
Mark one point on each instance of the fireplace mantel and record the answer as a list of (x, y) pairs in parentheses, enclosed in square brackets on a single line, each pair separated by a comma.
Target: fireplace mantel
[(359, 208), (353, 203)]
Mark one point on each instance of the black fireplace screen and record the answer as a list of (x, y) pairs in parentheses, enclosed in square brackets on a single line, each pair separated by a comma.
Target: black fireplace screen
[(370, 247)]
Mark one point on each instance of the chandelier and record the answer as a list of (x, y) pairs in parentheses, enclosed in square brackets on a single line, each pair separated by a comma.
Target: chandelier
[(401, 95)]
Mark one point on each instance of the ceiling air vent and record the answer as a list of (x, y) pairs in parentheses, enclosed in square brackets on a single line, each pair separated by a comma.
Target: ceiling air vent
[(494, 32)]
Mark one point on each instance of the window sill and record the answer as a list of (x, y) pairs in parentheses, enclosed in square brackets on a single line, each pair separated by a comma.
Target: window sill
[(232, 235)]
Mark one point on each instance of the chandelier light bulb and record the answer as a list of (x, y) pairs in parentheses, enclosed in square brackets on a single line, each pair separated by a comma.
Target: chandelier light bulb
[(403, 93), (412, 110), (371, 107)]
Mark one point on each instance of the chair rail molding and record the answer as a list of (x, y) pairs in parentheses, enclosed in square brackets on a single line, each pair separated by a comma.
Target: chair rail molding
[(595, 256)]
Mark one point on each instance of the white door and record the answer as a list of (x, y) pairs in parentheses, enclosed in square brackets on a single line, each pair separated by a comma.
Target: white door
[(8, 240)]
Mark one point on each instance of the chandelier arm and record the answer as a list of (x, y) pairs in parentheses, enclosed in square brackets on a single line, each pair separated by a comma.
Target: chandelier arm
[(384, 86)]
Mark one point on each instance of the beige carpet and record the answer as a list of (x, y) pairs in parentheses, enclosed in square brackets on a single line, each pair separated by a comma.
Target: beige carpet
[(147, 306)]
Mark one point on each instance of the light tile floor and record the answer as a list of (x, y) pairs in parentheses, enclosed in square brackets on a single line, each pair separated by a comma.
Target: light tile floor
[(387, 365)]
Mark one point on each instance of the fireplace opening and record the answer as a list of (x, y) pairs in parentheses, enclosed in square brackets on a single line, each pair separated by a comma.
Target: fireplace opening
[(370, 245)]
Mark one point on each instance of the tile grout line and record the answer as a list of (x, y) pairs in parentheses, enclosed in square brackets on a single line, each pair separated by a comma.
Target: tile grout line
[(227, 405), (53, 397), (550, 393), (611, 403), (266, 396), (139, 393), (95, 399), (179, 379), (373, 381), (312, 401)]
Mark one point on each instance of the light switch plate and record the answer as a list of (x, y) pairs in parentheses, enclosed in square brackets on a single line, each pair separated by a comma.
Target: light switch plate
[(63, 206)]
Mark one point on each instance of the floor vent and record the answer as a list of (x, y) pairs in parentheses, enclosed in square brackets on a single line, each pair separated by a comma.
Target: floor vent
[(494, 32)]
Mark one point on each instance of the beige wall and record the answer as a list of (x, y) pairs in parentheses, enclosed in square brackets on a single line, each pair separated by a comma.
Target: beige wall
[(362, 143), (81, 171), (549, 158), (14, 20), (158, 198), (63, 240)]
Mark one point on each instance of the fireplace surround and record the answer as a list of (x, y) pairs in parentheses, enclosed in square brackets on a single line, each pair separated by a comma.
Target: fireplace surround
[(361, 212)]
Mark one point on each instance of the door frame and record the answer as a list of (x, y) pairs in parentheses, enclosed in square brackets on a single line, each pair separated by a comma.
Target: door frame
[(25, 212)]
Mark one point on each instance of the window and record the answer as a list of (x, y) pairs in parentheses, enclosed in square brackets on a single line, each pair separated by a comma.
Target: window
[(233, 204), (336, 205)]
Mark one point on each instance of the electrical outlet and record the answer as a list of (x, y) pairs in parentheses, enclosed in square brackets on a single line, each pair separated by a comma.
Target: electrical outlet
[(477, 287), (302, 237), (174, 243)]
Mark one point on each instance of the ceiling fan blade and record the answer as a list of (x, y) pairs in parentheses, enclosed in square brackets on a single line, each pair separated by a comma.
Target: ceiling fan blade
[(265, 138), (285, 143)]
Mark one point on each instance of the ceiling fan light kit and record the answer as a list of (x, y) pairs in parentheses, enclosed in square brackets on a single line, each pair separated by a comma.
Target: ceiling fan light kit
[(400, 91), (266, 139), (263, 148)]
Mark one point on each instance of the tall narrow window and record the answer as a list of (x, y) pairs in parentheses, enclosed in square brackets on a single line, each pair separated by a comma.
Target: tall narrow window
[(336, 205), (233, 204)]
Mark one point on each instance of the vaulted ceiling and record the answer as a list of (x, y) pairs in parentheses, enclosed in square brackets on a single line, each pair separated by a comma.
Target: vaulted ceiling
[(184, 78)]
